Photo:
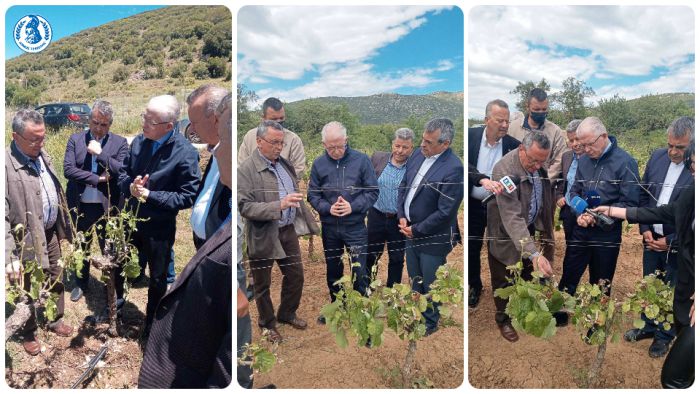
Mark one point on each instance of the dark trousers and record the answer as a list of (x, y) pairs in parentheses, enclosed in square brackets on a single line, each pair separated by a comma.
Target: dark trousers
[(666, 262), (383, 229), (292, 281), (592, 248), (678, 371), (52, 273), (154, 240), (244, 335), (336, 239), (568, 218), (89, 214), (475, 228), (500, 279), (421, 269), (171, 266)]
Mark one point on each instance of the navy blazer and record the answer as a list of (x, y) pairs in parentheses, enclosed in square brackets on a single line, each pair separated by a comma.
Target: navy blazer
[(219, 208), (77, 168), (653, 179), (474, 146), (190, 342), (436, 202), (174, 176)]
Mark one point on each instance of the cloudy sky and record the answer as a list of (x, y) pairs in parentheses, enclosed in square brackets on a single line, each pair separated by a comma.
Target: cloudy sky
[(299, 52), (629, 51)]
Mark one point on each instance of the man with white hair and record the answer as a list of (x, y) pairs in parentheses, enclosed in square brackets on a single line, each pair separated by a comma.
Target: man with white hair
[(162, 172), (342, 188)]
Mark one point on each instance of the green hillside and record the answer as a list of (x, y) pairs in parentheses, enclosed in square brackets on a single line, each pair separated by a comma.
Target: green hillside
[(162, 51)]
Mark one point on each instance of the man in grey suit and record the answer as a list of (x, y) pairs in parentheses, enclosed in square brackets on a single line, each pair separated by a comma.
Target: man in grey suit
[(382, 222), (513, 218)]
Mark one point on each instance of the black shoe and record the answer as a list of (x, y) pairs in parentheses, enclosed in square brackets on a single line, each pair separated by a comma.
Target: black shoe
[(269, 386), (76, 294), (321, 320), (368, 345), (474, 296), (562, 319), (430, 331), (636, 334), (659, 348)]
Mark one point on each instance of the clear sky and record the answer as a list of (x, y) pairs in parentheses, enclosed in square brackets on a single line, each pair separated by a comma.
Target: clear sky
[(629, 51), (300, 52), (66, 20)]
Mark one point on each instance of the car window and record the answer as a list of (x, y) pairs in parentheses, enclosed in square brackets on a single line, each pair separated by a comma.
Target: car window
[(80, 109), (41, 110)]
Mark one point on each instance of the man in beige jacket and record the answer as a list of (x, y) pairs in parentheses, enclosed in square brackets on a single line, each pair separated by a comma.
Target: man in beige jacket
[(293, 148), (536, 119), (513, 218), (269, 200), (34, 199)]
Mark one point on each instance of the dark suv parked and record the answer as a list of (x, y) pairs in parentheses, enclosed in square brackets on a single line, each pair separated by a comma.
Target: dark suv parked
[(57, 115)]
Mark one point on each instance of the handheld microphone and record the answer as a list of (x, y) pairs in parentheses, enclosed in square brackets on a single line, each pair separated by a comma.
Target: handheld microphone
[(605, 222), (509, 184)]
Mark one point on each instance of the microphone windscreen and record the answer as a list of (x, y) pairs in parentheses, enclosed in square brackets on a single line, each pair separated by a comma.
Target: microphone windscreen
[(592, 198), (578, 204)]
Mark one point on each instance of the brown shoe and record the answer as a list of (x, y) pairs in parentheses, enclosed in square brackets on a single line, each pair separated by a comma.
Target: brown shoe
[(296, 322), (508, 332), (61, 329), (273, 335), (31, 345)]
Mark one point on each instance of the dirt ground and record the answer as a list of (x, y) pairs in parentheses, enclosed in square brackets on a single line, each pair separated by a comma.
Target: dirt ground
[(311, 358), (561, 361)]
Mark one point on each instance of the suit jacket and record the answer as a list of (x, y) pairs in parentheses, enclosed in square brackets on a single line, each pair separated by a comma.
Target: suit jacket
[(23, 206), (507, 228), (219, 207), (653, 179), (77, 168), (560, 185), (474, 146), (190, 342), (261, 207), (379, 161), (680, 213), (435, 204)]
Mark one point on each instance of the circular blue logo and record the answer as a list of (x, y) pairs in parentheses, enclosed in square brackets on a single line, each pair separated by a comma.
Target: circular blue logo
[(32, 33)]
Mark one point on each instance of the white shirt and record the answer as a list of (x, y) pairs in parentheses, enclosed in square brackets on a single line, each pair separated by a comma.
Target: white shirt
[(489, 155), (200, 209), (91, 194), (424, 168), (672, 175)]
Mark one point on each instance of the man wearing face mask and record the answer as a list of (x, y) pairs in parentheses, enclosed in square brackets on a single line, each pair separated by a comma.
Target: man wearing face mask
[(293, 149), (536, 119)]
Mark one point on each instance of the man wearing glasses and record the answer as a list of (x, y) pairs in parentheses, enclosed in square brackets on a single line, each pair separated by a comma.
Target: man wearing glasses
[(606, 175), (665, 178), (269, 200), (342, 188), (34, 199), (91, 164), (161, 175), (514, 217)]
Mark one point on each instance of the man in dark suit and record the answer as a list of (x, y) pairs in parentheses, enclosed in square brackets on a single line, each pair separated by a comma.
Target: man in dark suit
[(191, 342), (91, 164), (162, 173), (382, 222), (664, 179), (429, 198), (486, 145), (569, 164), (213, 200)]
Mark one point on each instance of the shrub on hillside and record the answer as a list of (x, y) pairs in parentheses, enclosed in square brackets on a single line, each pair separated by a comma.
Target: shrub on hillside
[(120, 74), (200, 71), (216, 67)]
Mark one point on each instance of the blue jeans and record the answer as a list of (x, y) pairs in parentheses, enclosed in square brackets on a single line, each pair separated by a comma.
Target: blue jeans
[(337, 239), (421, 269), (244, 335), (665, 262), (171, 266)]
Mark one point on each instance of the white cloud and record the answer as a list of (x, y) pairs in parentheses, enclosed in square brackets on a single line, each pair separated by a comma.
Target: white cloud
[(286, 42), (611, 41)]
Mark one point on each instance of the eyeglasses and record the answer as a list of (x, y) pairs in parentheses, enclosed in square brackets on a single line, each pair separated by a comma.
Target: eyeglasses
[(148, 122), (677, 147), (334, 148), (279, 144), (532, 161), (590, 144), (32, 144)]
